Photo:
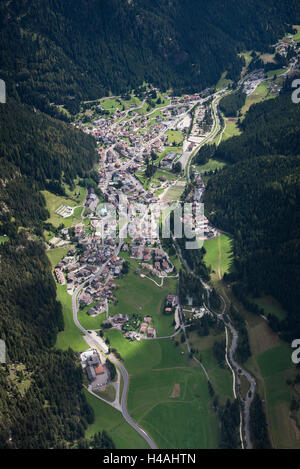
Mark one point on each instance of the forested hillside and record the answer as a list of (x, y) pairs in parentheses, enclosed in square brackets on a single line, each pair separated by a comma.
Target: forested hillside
[(42, 403), (41, 147), (63, 51), (257, 199), (269, 128)]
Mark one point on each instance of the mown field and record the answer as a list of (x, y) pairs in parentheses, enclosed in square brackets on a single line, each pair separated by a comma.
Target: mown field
[(73, 199), (168, 394), (219, 254), (112, 421), (272, 366), (231, 129), (142, 296), (221, 378), (211, 165)]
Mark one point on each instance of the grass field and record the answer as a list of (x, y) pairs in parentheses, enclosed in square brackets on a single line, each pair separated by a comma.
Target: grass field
[(211, 165), (174, 193), (271, 364), (71, 336), (276, 367), (219, 254), (231, 129), (57, 254), (175, 136), (223, 82), (185, 420), (221, 378), (89, 322), (112, 421), (268, 58), (260, 94), (108, 393), (142, 296), (270, 306), (54, 201)]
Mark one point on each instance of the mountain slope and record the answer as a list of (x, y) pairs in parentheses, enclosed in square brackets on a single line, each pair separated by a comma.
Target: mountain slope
[(59, 49), (257, 199)]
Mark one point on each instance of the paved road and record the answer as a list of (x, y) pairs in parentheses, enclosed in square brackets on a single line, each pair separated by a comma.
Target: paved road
[(121, 367)]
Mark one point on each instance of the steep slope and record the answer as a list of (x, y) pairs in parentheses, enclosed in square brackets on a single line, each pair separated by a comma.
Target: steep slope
[(59, 50), (257, 199)]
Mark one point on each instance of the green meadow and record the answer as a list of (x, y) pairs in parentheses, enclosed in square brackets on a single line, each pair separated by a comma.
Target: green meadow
[(221, 378), (219, 254), (231, 129), (71, 336), (276, 367), (111, 420), (270, 306), (211, 165), (53, 202), (168, 394), (141, 295)]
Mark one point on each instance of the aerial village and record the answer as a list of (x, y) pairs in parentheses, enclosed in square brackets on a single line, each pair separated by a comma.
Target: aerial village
[(91, 270)]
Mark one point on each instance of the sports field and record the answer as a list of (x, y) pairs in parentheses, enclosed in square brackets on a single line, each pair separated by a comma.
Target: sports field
[(53, 202)]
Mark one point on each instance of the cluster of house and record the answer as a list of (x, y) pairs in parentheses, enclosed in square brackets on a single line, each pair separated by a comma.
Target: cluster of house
[(146, 329), (97, 373), (169, 159), (161, 264), (91, 200), (59, 276), (170, 305), (282, 47), (253, 81)]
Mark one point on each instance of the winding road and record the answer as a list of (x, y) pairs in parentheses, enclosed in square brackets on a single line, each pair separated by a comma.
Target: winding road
[(112, 358)]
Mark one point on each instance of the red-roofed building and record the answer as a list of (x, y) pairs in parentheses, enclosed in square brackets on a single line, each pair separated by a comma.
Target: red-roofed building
[(99, 370)]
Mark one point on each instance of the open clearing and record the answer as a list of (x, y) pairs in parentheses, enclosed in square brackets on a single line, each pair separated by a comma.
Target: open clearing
[(211, 165), (231, 129), (175, 136), (174, 193), (219, 254), (270, 306), (53, 202)]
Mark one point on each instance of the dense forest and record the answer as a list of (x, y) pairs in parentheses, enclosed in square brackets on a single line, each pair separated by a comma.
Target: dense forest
[(43, 148), (269, 128), (257, 199), (232, 103), (63, 51), (42, 403)]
